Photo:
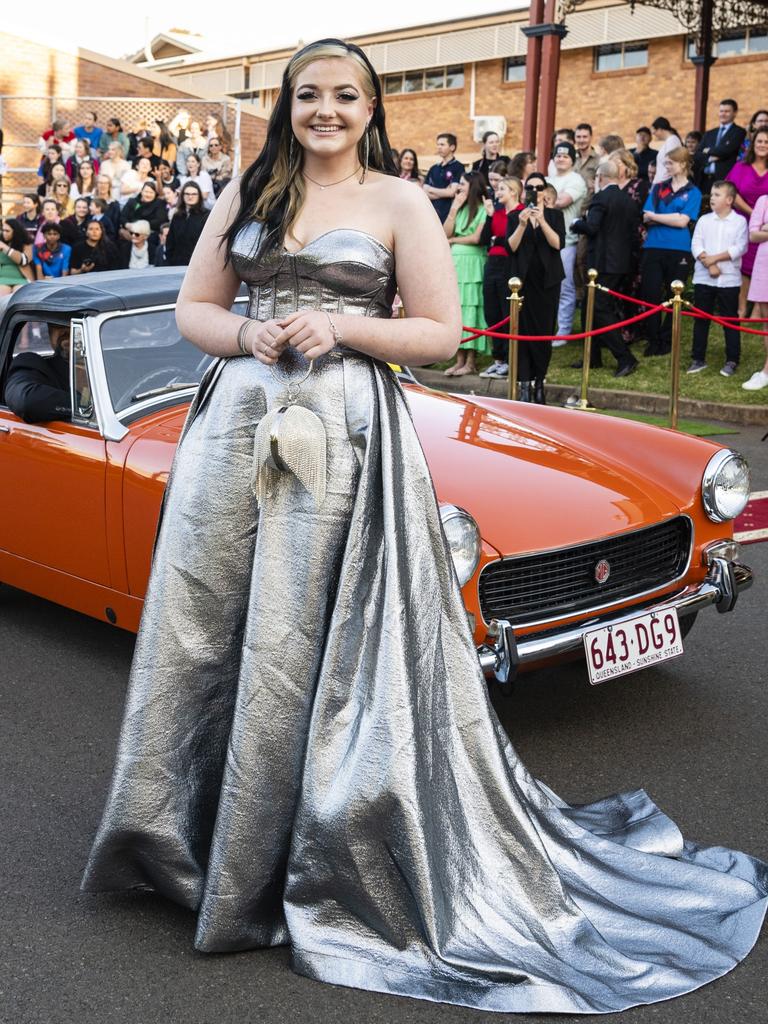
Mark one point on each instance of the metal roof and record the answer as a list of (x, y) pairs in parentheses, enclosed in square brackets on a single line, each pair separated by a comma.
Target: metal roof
[(99, 293)]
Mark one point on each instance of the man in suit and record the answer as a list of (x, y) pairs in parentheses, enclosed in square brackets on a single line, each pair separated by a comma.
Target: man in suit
[(611, 227), (719, 149)]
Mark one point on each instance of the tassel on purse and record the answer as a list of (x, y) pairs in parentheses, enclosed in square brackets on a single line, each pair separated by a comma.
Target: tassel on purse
[(290, 439)]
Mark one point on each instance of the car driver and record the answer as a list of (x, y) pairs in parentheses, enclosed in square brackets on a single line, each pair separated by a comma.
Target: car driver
[(37, 389)]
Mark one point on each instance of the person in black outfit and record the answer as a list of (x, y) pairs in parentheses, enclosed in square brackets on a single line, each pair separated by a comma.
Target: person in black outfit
[(186, 226), (95, 253), (535, 236), (37, 388), (145, 206), (718, 151), (490, 154), (611, 227)]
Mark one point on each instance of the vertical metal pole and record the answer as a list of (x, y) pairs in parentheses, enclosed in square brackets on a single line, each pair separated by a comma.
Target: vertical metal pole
[(532, 77), (583, 401), (515, 301), (677, 323), (238, 147)]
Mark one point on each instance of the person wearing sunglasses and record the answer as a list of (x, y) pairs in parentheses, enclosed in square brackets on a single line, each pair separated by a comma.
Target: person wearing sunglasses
[(536, 236), (218, 165), (137, 252)]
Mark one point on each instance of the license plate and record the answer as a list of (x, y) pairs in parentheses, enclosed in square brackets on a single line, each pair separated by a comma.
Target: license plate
[(645, 640)]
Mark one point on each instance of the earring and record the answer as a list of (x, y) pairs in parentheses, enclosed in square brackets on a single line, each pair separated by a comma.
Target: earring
[(367, 152), (292, 152)]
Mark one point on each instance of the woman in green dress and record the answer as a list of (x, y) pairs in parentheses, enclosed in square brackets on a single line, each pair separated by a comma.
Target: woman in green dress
[(15, 256), (463, 227)]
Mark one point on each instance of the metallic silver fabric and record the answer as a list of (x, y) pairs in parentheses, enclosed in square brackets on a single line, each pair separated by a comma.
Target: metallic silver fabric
[(309, 755)]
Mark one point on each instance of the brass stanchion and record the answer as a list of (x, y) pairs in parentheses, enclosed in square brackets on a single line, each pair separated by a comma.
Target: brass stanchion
[(583, 402), (515, 302), (677, 323)]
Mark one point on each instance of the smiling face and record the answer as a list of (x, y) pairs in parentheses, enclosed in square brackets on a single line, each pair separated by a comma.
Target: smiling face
[(50, 212), (583, 139), (406, 161), (147, 194), (330, 109), (726, 113), (563, 163), (81, 209), (58, 173), (463, 188), (761, 145)]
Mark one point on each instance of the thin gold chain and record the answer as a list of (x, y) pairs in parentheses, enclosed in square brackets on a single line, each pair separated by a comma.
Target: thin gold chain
[(331, 183)]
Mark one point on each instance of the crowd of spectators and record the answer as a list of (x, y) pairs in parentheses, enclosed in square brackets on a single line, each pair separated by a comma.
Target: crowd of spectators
[(643, 216), (114, 199), (664, 209)]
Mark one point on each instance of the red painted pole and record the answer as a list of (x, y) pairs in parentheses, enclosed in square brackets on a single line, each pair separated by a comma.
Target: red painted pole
[(532, 77), (550, 71), (703, 61)]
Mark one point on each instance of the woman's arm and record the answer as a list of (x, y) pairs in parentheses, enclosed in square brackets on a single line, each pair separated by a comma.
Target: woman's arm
[(741, 205), (552, 236)]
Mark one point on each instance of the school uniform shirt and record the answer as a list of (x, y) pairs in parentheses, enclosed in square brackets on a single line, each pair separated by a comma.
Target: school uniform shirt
[(662, 199), (713, 235), (55, 263), (441, 176)]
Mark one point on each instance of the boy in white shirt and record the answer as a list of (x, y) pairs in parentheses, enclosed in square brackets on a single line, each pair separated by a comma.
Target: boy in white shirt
[(719, 241)]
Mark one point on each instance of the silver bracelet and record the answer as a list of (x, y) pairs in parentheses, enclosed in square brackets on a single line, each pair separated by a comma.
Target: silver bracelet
[(337, 338), (241, 336)]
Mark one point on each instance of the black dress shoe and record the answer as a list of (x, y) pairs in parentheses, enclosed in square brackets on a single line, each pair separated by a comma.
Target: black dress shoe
[(524, 391), (538, 393), (626, 369)]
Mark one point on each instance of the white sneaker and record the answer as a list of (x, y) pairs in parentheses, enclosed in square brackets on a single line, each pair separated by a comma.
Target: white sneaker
[(491, 371), (502, 369), (559, 343), (756, 382)]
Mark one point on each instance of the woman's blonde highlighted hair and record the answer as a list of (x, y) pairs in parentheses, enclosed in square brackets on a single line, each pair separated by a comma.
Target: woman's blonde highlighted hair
[(272, 188)]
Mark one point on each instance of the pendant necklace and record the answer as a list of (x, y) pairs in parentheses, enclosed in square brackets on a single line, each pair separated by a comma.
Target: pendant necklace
[(330, 183)]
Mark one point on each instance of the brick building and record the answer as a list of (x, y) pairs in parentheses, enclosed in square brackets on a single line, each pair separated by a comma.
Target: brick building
[(618, 69), (38, 81)]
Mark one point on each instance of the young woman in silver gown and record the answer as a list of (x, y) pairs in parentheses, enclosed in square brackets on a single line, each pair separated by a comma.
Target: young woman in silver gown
[(308, 754)]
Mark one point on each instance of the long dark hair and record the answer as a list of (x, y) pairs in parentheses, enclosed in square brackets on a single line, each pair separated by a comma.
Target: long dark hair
[(415, 172), (271, 189), (182, 210), (19, 234), (475, 192)]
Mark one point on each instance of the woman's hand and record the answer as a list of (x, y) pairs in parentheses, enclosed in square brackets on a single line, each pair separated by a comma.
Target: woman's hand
[(488, 204), (458, 201), (266, 341), (309, 332)]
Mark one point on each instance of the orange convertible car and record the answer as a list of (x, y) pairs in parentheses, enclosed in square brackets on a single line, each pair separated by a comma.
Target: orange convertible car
[(570, 532)]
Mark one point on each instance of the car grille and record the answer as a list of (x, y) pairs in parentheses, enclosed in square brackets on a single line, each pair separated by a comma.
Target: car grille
[(558, 583)]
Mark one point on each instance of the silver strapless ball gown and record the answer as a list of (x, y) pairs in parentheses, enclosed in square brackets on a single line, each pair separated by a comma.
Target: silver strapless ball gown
[(309, 755)]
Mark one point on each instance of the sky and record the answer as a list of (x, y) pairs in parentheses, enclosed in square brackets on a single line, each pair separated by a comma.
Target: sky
[(116, 31)]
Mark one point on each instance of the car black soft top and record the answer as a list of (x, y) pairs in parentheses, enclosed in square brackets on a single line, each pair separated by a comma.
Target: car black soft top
[(99, 293)]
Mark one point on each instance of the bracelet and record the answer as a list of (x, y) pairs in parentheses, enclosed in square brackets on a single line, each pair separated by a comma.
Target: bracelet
[(337, 338), (241, 336)]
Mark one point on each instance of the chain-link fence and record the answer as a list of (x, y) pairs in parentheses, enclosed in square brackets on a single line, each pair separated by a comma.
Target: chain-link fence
[(23, 119)]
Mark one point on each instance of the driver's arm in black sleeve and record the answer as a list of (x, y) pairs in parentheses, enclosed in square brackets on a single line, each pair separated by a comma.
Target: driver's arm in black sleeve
[(31, 394)]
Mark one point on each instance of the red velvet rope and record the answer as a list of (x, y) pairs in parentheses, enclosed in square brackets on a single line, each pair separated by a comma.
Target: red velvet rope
[(699, 314), (563, 337)]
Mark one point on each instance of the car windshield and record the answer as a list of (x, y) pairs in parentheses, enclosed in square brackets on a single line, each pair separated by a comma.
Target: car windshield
[(145, 356)]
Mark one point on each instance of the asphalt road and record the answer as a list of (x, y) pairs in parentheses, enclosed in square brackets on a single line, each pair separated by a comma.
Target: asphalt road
[(691, 732)]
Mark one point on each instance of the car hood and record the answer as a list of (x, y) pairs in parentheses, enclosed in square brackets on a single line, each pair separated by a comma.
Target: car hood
[(528, 487), (533, 477)]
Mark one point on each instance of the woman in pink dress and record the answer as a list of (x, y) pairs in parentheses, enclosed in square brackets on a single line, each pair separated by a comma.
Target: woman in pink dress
[(751, 181), (758, 288)]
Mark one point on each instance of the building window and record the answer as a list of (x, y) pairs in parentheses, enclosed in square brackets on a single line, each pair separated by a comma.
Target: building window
[(427, 80), (736, 42), (514, 69), (619, 56)]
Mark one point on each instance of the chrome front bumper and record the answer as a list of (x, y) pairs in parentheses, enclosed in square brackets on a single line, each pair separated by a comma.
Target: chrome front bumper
[(500, 660)]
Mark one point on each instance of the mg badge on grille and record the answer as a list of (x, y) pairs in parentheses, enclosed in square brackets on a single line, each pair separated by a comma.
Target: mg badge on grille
[(602, 570)]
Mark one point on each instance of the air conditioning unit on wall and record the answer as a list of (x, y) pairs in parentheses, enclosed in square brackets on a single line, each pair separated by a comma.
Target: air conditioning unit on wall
[(489, 124)]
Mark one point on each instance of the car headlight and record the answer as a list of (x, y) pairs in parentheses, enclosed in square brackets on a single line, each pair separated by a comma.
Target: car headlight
[(463, 539), (725, 486)]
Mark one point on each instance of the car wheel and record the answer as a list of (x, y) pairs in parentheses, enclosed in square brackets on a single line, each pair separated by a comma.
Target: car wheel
[(687, 624)]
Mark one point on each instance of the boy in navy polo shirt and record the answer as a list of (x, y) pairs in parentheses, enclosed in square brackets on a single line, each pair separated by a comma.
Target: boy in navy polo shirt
[(442, 181)]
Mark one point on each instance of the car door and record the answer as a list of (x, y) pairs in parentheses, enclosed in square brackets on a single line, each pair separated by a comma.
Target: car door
[(52, 511)]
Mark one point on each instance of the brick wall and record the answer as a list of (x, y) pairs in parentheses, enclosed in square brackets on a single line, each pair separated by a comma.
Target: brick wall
[(31, 69), (616, 101)]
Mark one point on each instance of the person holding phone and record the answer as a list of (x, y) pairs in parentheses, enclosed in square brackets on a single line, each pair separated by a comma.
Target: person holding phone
[(536, 236), (95, 252)]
